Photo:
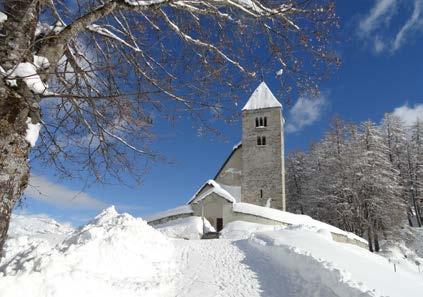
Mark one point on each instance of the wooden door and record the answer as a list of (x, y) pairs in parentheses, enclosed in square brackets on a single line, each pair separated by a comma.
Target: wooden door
[(219, 224)]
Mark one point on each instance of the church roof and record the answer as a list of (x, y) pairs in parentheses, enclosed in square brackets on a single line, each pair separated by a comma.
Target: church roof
[(215, 188), (262, 97)]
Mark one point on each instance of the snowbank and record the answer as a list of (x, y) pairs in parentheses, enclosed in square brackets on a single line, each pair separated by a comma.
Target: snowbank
[(184, 209), (290, 218), (113, 255), (343, 268), (28, 232), (243, 230), (187, 228)]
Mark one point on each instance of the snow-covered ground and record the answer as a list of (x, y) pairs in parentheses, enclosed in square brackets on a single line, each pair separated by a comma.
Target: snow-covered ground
[(185, 228), (118, 255)]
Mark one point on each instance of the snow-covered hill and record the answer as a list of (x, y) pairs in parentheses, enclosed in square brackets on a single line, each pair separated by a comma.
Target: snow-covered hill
[(119, 255)]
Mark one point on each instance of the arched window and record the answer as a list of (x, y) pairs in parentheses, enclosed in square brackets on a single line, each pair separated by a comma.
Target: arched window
[(261, 122), (265, 121), (257, 122), (258, 140), (263, 140)]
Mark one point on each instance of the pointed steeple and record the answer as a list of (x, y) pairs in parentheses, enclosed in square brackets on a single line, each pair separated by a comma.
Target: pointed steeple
[(262, 97)]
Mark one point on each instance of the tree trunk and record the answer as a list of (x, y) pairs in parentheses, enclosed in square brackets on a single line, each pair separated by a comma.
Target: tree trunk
[(376, 241), (14, 173), (17, 103), (370, 238)]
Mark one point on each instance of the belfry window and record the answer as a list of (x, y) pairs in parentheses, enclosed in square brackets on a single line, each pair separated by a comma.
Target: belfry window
[(261, 122), (261, 140)]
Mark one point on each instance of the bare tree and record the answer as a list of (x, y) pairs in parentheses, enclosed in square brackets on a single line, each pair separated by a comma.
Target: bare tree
[(93, 73)]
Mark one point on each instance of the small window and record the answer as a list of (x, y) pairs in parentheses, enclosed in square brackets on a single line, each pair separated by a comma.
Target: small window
[(261, 193), (261, 140), (261, 122), (265, 121), (257, 122)]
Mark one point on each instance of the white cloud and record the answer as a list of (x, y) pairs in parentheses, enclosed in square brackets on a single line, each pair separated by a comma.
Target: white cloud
[(413, 23), (42, 189), (409, 115), (305, 112), (377, 25), (381, 12)]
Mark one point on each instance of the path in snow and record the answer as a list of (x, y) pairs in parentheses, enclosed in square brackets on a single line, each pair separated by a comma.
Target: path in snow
[(217, 268), (213, 268)]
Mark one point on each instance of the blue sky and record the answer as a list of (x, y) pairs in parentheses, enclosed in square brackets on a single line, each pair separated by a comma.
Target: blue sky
[(382, 71)]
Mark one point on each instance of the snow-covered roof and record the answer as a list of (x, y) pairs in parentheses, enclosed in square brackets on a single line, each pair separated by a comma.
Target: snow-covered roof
[(236, 146), (215, 188), (289, 218), (262, 97), (184, 209)]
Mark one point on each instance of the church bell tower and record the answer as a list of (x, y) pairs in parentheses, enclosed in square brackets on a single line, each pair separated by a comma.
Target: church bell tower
[(263, 164)]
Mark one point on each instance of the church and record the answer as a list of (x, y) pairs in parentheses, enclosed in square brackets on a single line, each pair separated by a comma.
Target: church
[(249, 186), (254, 171)]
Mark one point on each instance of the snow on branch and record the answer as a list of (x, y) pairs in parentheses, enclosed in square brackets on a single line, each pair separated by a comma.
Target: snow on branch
[(103, 31)]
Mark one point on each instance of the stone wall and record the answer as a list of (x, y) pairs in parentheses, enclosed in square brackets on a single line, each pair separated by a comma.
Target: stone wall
[(263, 165), (231, 172), (169, 218), (237, 216)]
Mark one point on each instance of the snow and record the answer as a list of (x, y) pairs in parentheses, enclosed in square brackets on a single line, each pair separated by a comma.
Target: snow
[(3, 17), (113, 255), (143, 2), (28, 72), (236, 146), (290, 218), (119, 255), (42, 28), (279, 72), (262, 97), (243, 230), (215, 188), (337, 265), (32, 132), (187, 228), (41, 62), (234, 191), (184, 209)]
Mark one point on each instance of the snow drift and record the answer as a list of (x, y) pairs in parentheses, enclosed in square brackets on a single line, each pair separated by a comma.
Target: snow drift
[(113, 255), (186, 228), (119, 255)]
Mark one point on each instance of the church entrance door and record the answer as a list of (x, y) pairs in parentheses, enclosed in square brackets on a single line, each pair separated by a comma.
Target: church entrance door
[(219, 224)]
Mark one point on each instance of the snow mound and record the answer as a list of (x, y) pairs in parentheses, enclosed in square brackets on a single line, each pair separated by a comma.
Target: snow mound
[(291, 219), (113, 255), (187, 228), (346, 269), (243, 230)]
